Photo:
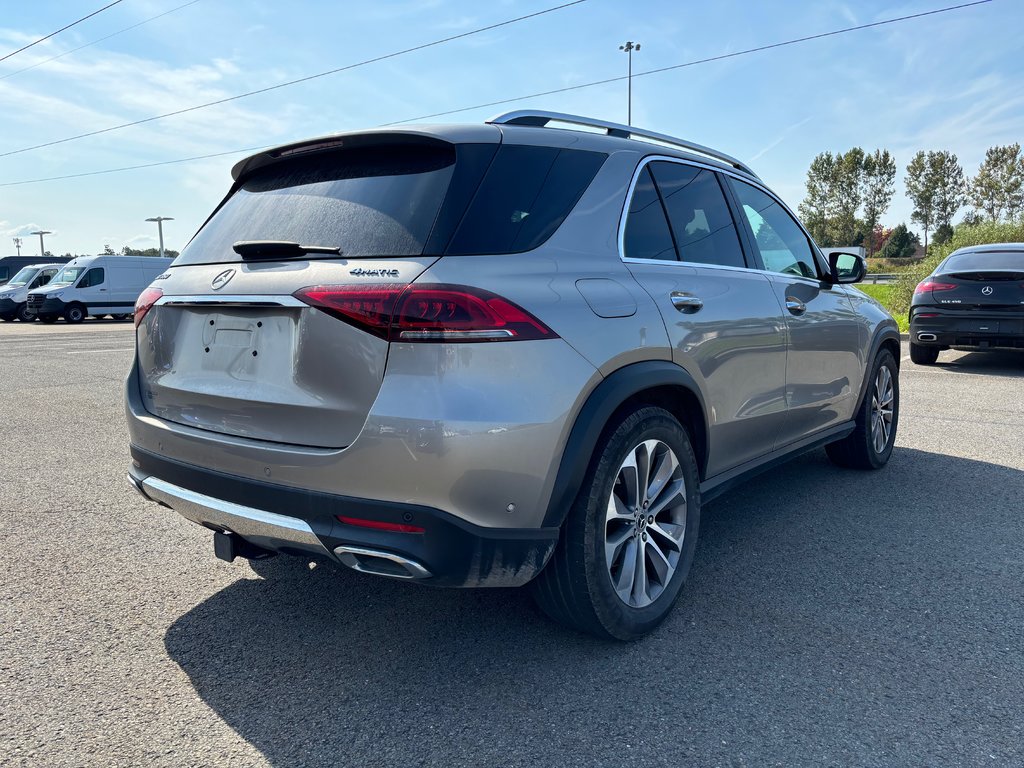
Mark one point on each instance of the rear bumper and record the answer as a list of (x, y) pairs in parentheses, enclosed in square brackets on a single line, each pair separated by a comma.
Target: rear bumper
[(966, 329), (448, 552)]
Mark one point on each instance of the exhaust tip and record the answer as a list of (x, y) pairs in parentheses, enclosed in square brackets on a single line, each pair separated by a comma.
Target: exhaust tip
[(380, 563), (926, 337)]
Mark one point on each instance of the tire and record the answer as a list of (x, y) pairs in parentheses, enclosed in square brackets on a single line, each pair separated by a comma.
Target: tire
[(580, 586), (23, 314), (860, 449), (7, 318), (123, 317), (75, 313), (923, 355), (48, 319)]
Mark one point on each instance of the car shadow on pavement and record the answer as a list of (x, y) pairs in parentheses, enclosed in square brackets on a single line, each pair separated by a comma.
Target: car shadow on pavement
[(831, 617), (1002, 362)]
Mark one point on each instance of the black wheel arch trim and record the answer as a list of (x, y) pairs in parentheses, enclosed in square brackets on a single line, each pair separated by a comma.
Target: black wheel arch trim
[(593, 418), (888, 333)]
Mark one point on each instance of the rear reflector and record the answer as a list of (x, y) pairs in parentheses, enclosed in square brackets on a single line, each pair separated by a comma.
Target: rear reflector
[(145, 302), (931, 285), (378, 525), (424, 313)]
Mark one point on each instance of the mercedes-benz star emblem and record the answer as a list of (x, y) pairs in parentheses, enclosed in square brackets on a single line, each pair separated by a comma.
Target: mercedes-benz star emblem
[(222, 279), (987, 290)]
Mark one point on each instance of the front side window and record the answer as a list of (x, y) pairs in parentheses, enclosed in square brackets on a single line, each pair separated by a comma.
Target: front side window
[(783, 246), (92, 278), (704, 230), (647, 235)]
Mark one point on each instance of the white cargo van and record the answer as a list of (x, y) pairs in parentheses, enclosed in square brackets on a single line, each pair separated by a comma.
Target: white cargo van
[(14, 294), (95, 285)]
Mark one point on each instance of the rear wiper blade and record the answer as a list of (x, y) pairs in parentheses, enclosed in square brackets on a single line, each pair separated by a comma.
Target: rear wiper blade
[(279, 249)]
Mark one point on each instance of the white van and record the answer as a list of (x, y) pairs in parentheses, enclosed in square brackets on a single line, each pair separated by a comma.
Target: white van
[(96, 285), (14, 294)]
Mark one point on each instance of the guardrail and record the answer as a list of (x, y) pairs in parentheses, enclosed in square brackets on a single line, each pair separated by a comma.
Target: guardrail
[(879, 277)]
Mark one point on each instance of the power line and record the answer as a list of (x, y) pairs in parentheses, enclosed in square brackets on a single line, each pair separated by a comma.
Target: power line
[(697, 61), (134, 167), (69, 26), (299, 80), (99, 40), (546, 93)]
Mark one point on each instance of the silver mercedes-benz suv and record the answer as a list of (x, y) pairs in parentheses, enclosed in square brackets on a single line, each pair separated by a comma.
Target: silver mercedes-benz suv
[(487, 355)]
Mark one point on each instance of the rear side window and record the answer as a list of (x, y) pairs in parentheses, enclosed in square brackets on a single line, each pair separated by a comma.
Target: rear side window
[(647, 234), (369, 201), (93, 277), (525, 196), (701, 222)]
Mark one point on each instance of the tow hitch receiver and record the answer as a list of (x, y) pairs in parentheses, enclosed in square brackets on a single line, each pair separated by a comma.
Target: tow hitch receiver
[(225, 546)]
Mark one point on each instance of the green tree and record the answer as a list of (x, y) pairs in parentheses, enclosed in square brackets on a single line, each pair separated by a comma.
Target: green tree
[(950, 188), (901, 244), (816, 210), (943, 234), (846, 192), (877, 191), (108, 251), (998, 189), (935, 186), (126, 251)]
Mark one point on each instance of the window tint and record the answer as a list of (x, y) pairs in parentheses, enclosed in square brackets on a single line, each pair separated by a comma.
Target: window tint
[(93, 277), (982, 260), (4, 273), (525, 196), (647, 234), (369, 201), (701, 222), (781, 242)]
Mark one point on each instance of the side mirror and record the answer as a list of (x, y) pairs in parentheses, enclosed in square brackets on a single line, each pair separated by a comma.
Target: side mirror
[(846, 267)]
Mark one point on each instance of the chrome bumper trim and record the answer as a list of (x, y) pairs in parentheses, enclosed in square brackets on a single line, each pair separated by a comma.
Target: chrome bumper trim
[(262, 528)]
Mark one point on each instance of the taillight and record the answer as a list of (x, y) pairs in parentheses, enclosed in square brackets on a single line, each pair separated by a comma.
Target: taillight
[(931, 285), (145, 302), (379, 525), (427, 312)]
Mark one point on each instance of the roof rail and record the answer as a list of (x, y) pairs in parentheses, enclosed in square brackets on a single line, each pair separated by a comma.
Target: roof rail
[(540, 119)]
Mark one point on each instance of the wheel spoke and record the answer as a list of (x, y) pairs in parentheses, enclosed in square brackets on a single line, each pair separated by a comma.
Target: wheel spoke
[(617, 509), (627, 575), (671, 497), (665, 471), (670, 533), (663, 569), (640, 594), (614, 544)]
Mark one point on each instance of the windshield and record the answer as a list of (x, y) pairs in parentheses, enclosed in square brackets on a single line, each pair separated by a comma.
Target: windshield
[(375, 201), (67, 276), (22, 277)]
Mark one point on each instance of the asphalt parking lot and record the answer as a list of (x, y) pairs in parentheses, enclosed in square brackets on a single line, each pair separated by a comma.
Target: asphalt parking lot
[(831, 618)]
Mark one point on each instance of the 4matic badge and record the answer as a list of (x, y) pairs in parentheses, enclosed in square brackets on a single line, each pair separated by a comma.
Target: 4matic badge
[(360, 272)]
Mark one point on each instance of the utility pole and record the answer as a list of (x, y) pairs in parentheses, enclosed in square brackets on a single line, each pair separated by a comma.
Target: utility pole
[(17, 244), (629, 47), (160, 226), (41, 232)]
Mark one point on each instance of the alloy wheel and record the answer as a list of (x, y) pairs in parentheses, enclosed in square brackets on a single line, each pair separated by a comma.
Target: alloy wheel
[(882, 409), (645, 523)]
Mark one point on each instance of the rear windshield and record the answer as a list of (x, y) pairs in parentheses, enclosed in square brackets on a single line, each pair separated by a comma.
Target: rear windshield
[(985, 260), (379, 201), (384, 201)]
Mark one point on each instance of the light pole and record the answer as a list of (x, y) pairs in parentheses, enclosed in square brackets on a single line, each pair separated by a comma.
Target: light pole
[(160, 226), (629, 47), (17, 244), (41, 232)]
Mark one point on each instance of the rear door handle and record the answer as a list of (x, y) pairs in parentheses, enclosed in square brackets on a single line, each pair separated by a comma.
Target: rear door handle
[(795, 306), (686, 303)]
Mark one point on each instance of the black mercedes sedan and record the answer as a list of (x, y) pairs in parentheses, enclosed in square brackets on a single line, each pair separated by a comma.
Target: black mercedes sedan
[(973, 300)]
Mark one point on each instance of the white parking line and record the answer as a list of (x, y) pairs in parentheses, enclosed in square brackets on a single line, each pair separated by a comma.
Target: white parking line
[(92, 351)]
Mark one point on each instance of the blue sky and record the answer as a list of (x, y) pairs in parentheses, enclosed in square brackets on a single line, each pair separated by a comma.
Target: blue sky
[(950, 81)]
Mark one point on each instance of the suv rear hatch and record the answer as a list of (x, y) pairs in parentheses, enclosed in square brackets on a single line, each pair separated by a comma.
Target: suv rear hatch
[(261, 331)]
